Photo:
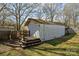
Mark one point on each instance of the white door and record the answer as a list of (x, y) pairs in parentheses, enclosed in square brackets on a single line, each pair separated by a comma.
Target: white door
[(49, 32), (46, 32), (53, 31)]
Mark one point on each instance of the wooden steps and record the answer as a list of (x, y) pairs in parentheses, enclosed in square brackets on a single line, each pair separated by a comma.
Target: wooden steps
[(30, 43)]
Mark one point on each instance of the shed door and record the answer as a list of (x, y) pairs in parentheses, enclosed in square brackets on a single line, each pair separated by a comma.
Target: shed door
[(49, 32), (53, 31)]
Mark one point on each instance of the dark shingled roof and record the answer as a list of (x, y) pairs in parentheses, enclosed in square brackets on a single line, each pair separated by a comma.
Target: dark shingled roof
[(41, 22)]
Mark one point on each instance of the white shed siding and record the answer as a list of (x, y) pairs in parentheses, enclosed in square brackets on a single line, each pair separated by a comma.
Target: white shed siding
[(48, 32), (42, 32), (34, 30), (45, 31)]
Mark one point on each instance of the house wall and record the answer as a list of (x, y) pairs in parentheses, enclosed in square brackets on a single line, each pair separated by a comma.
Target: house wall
[(4, 35), (34, 30), (26, 27), (48, 32)]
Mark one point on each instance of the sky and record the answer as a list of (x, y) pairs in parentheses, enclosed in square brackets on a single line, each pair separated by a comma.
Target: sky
[(36, 12)]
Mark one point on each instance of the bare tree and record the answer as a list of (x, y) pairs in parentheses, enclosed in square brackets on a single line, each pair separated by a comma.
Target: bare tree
[(71, 12), (38, 12), (20, 11), (2, 6), (50, 10), (3, 13)]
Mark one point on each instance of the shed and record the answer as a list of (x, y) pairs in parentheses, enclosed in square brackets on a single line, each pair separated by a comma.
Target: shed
[(5, 32), (44, 30)]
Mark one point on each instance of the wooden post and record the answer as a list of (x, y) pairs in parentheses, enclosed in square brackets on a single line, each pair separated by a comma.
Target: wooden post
[(10, 35)]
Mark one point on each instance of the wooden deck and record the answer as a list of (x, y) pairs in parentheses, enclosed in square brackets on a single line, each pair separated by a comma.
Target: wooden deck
[(30, 42), (18, 39)]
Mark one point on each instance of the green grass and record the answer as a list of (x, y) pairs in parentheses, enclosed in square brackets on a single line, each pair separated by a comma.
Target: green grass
[(65, 46)]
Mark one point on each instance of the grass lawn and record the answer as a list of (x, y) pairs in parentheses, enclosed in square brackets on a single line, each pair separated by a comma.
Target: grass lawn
[(65, 46)]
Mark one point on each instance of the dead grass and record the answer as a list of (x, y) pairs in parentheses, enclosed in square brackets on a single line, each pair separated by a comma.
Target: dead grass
[(65, 46)]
